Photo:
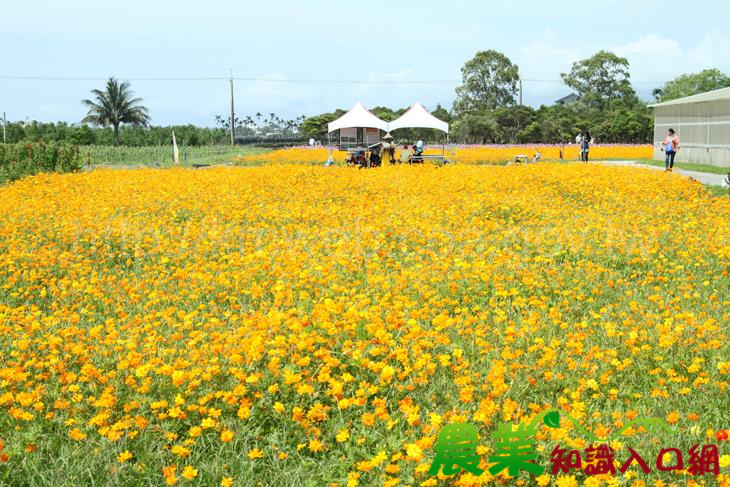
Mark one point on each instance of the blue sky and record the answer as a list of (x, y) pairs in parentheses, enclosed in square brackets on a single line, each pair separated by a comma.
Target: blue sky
[(403, 43)]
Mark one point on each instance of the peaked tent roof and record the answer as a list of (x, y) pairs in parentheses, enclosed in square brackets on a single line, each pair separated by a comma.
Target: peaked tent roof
[(716, 95), (418, 117), (358, 116)]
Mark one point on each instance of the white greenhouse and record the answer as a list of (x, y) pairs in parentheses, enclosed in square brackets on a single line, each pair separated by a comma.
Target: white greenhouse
[(702, 123)]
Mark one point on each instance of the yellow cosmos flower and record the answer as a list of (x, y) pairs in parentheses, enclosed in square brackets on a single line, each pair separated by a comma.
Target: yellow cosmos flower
[(255, 453), (316, 446), (124, 456), (342, 435), (77, 434), (180, 451), (189, 472)]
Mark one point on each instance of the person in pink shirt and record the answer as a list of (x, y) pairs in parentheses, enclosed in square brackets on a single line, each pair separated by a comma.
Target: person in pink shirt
[(671, 146)]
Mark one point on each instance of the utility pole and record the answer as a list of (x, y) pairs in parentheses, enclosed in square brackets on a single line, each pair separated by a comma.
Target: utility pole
[(520, 91), (4, 122), (233, 124)]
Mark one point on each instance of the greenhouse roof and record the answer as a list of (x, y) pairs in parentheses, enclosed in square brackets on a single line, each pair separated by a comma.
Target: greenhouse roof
[(717, 95)]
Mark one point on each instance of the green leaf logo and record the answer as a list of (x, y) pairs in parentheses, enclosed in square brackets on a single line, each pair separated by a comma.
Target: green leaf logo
[(552, 420)]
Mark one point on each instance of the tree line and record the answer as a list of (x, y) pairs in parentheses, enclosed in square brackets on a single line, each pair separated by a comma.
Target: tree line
[(116, 116), (486, 110), (82, 134)]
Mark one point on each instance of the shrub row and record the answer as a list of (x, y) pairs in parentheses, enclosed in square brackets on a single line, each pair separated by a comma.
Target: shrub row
[(25, 159)]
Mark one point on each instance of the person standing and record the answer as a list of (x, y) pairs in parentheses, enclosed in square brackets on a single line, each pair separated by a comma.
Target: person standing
[(671, 146), (585, 146), (538, 156), (578, 142), (389, 147)]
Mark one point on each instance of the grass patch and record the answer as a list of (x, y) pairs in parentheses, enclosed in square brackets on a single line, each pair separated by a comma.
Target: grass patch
[(162, 155), (688, 166), (718, 190)]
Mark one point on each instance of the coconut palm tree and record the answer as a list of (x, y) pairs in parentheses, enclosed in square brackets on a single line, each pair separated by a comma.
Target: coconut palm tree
[(114, 106)]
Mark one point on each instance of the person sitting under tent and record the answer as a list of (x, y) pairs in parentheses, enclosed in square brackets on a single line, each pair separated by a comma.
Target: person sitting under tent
[(405, 154), (419, 147), (357, 157), (417, 157), (417, 117), (375, 158)]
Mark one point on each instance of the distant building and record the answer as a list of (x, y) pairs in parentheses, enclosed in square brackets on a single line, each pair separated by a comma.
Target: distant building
[(702, 123), (566, 100)]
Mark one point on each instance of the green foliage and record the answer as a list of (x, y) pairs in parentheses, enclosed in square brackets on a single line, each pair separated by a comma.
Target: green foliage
[(490, 82), (687, 166), (474, 128), (316, 127), (442, 114), (385, 113), (608, 106), (601, 81), (259, 127), (693, 84), (162, 155), (625, 125), (130, 136), (512, 123), (554, 125), (25, 159)]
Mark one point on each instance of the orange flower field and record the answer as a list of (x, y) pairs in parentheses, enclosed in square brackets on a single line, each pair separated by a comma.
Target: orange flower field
[(493, 154), (297, 325)]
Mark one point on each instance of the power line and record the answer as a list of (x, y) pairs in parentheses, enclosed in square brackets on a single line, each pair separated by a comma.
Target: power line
[(64, 78), (284, 80), (213, 78)]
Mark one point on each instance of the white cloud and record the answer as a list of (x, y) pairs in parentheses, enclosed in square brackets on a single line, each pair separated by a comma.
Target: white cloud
[(541, 64), (656, 59), (712, 51)]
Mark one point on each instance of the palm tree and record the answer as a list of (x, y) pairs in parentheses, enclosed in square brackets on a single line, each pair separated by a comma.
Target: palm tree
[(114, 106)]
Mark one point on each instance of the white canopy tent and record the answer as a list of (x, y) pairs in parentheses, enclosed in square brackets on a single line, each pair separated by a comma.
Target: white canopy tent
[(358, 117), (417, 117)]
